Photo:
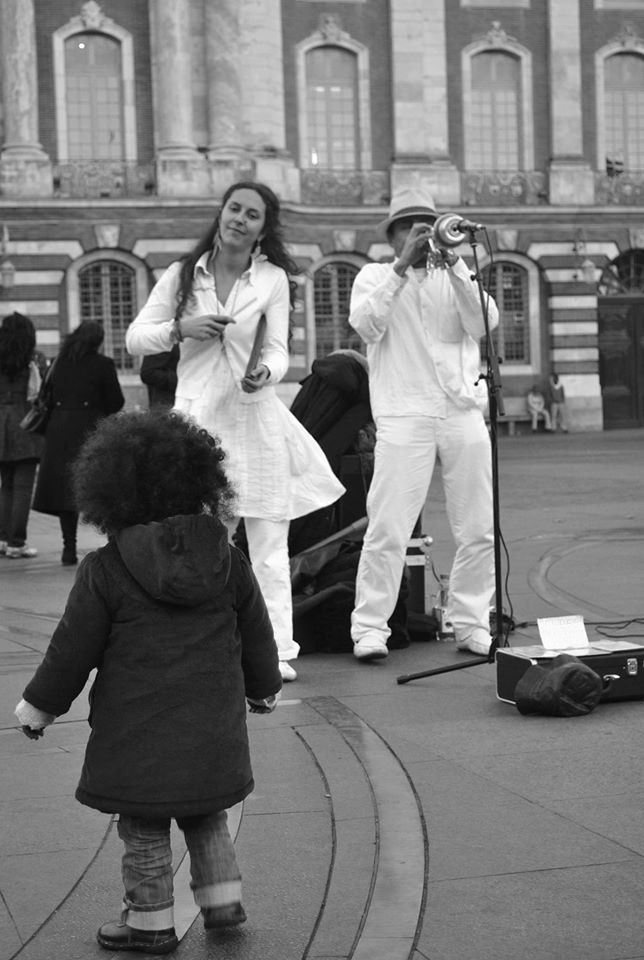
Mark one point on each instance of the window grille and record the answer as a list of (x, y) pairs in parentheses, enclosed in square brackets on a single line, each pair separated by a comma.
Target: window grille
[(624, 112), (94, 97), (332, 108), (107, 291), (332, 293), (507, 284), (494, 132)]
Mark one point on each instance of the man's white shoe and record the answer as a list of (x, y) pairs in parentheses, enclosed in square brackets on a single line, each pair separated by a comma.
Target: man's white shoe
[(370, 648), (478, 642), (287, 672)]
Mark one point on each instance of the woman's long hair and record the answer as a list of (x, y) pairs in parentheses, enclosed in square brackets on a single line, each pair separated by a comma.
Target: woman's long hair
[(271, 244), (85, 339), (17, 344)]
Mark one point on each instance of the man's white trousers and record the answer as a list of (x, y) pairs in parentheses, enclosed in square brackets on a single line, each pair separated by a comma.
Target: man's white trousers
[(405, 455)]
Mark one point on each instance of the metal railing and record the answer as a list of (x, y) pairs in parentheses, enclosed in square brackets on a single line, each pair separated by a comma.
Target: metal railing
[(505, 188), (620, 188), (94, 179), (344, 187)]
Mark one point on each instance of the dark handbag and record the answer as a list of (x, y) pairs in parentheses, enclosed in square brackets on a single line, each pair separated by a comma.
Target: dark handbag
[(36, 419)]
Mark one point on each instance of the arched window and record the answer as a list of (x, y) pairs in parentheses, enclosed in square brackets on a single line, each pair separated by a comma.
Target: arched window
[(94, 88), (331, 294), (333, 100), (624, 112), (624, 276), (107, 291), (94, 97), (332, 109), (507, 284), (493, 134)]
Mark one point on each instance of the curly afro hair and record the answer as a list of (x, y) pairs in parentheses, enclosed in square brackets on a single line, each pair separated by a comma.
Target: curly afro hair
[(145, 466)]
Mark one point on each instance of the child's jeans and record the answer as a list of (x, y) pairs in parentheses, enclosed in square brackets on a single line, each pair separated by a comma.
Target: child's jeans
[(147, 867)]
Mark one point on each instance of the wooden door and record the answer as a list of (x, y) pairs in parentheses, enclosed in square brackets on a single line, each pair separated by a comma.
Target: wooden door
[(621, 361)]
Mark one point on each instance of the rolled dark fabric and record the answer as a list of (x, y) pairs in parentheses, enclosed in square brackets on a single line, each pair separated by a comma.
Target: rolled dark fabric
[(565, 687)]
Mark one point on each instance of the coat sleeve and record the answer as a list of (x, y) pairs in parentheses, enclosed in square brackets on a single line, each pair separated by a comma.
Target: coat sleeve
[(77, 645), (373, 299), (149, 332), (262, 677), (112, 398)]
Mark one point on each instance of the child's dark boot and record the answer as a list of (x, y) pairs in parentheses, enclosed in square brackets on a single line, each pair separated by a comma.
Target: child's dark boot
[(118, 936), (229, 915)]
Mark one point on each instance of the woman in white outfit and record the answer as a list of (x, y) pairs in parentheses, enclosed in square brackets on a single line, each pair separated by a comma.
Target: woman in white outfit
[(211, 302)]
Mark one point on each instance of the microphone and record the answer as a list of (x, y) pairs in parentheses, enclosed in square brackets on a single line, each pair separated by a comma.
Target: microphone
[(450, 229)]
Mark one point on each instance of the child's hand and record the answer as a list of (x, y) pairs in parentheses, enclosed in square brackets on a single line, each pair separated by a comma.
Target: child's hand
[(263, 706), (32, 720), (32, 734)]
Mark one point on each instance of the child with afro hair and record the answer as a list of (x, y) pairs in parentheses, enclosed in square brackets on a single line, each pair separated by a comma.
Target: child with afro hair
[(172, 619)]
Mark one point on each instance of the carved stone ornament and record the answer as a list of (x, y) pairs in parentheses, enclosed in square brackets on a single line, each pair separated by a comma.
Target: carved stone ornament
[(344, 239), (496, 35), (107, 234), (92, 16), (507, 239), (330, 29), (636, 238), (628, 36)]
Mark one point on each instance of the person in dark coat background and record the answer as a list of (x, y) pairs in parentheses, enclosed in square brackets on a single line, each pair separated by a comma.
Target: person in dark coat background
[(19, 451), (159, 374), (85, 388), (174, 622)]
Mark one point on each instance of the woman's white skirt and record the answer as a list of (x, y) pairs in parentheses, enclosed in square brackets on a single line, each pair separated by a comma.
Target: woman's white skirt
[(276, 467)]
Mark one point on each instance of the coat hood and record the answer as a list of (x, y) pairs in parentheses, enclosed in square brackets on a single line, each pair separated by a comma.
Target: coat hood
[(182, 560)]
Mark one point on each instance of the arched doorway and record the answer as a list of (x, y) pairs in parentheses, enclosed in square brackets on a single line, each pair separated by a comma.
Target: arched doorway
[(621, 340)]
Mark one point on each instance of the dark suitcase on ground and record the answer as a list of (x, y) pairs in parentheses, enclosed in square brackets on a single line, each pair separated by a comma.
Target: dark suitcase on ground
[(619, 664)]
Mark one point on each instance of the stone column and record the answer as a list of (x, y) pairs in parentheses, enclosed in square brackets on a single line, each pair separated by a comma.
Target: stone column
[(262, 92), (25, 169), (571, 179), (421, 146), (226, 152), (181, 169)]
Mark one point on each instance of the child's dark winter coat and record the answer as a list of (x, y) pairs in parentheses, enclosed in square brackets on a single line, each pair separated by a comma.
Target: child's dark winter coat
[(172, 618)]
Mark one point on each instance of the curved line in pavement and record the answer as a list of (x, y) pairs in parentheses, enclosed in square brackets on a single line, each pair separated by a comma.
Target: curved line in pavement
[(539, 580), (393, 914)]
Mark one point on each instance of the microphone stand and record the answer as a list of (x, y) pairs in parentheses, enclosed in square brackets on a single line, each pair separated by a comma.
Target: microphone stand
[(496, 408)]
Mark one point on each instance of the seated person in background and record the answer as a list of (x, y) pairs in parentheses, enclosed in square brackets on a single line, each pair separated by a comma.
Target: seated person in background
[(159, 374), (536, 404)]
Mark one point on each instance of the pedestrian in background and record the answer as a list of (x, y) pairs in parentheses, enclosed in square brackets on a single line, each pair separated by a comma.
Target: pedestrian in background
[(557, 403), (211, 303), (20, 451), (85, 388), (159, 374), (172, 619)]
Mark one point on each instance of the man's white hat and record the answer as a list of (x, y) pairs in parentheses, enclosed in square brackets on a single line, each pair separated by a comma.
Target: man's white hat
[(410, 201)]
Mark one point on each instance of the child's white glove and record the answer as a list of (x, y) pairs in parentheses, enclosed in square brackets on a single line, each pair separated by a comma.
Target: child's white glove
[(32, 720), (264, 706)]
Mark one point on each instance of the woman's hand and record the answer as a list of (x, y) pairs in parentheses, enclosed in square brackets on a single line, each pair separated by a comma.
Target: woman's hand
[(209, 326), (256, 379)]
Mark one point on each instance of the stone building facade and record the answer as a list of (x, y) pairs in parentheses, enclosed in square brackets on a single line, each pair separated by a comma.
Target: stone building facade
[(122, 123)]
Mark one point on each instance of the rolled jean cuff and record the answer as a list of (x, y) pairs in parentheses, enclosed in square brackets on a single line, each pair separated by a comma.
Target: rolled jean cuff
[(151, 917), (218, 894)]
